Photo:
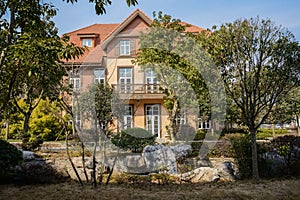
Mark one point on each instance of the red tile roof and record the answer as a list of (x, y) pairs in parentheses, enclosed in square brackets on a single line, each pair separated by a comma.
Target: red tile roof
[(136, 12), (105, 32), (102, 29), (192, 28)]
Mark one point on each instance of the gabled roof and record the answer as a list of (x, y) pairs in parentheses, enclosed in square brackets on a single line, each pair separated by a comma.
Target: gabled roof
[(122, 25), (107, 32), (100, 30)]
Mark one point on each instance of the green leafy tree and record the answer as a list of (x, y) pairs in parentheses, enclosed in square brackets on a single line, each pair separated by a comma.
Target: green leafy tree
[(178, 79), (31, 54), (100, 5), (30, 19), (259, 62), (95, 109), (46, 122), (289, 110)]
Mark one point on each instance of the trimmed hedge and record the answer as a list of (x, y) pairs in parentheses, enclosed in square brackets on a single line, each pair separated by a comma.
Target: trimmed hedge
[(134, 139)]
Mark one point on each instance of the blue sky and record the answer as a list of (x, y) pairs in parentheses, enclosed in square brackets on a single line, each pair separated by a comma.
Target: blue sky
[(203, 13)]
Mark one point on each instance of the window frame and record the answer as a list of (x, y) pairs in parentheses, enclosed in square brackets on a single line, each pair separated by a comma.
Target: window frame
[(150, 118), (87, 42), (125, 87), (125, 48), (99, 79), (75, 79)]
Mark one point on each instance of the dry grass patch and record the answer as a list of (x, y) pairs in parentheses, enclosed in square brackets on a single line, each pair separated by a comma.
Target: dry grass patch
[(277, 189)]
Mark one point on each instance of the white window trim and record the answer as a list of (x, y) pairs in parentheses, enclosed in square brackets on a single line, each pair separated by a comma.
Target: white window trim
[(128, 124), (125, 124), (126, 87), (182, 119), (74, 79), (88, 42), (151, 118), (204, 124), (100, 79), (124, 47)]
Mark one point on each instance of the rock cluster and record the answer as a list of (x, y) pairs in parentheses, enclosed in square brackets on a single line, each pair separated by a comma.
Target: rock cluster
[(153, 159), (222, 170)]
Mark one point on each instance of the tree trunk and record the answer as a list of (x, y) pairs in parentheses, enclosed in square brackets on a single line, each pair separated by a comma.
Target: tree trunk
[(298, 125), (83, 162), (172, 118), (112, 168), (94, 166), (25, 135), (255, 172), (7, 129), (70, 159)]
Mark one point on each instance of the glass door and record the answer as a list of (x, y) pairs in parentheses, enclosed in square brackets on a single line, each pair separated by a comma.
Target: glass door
[(153, 119)]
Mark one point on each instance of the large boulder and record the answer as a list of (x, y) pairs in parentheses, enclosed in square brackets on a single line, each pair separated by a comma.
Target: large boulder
[(202, 174), (162, 157), (222, 171)]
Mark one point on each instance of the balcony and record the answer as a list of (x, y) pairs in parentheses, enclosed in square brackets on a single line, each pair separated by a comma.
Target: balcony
[(138, 91)]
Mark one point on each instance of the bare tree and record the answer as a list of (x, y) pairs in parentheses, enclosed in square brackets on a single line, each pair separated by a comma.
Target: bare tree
[(260, 64)]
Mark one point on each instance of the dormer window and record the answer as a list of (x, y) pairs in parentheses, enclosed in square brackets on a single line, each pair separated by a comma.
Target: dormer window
[(124, 47), (87, 42)]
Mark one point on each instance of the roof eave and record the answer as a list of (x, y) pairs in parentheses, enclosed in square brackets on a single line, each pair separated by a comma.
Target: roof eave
[(123, 25)]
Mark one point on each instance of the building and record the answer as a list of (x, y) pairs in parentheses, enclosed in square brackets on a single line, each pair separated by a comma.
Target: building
[(109, 59)]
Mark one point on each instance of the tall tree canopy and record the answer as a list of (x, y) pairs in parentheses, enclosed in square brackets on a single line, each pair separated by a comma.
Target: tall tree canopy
[(179, 79), (31, 54), (100, 5), (260, 64)]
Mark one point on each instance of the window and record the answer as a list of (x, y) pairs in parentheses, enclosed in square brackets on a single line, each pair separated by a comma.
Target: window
[(153, 119), (74, 79), (181, 118), (124, 47), (204, 121), (77, 121), (99, 76), (127, 118), (204, 124), (151, 81), (87, 42), (125, 79)]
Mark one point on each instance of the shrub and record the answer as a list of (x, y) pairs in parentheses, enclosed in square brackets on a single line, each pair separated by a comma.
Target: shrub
[(263, 134), (288, 147), (134, 139), (197, 143), (33, 143), (234, 131), (44, 123), (125, 178), (240, 150), (10, 156), (221, 149)]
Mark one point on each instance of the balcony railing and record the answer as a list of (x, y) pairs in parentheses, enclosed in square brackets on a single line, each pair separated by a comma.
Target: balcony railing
[(137, 88)]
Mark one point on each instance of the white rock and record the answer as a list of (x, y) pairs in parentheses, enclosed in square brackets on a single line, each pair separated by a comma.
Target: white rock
[(28, 155), (164, 157)]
